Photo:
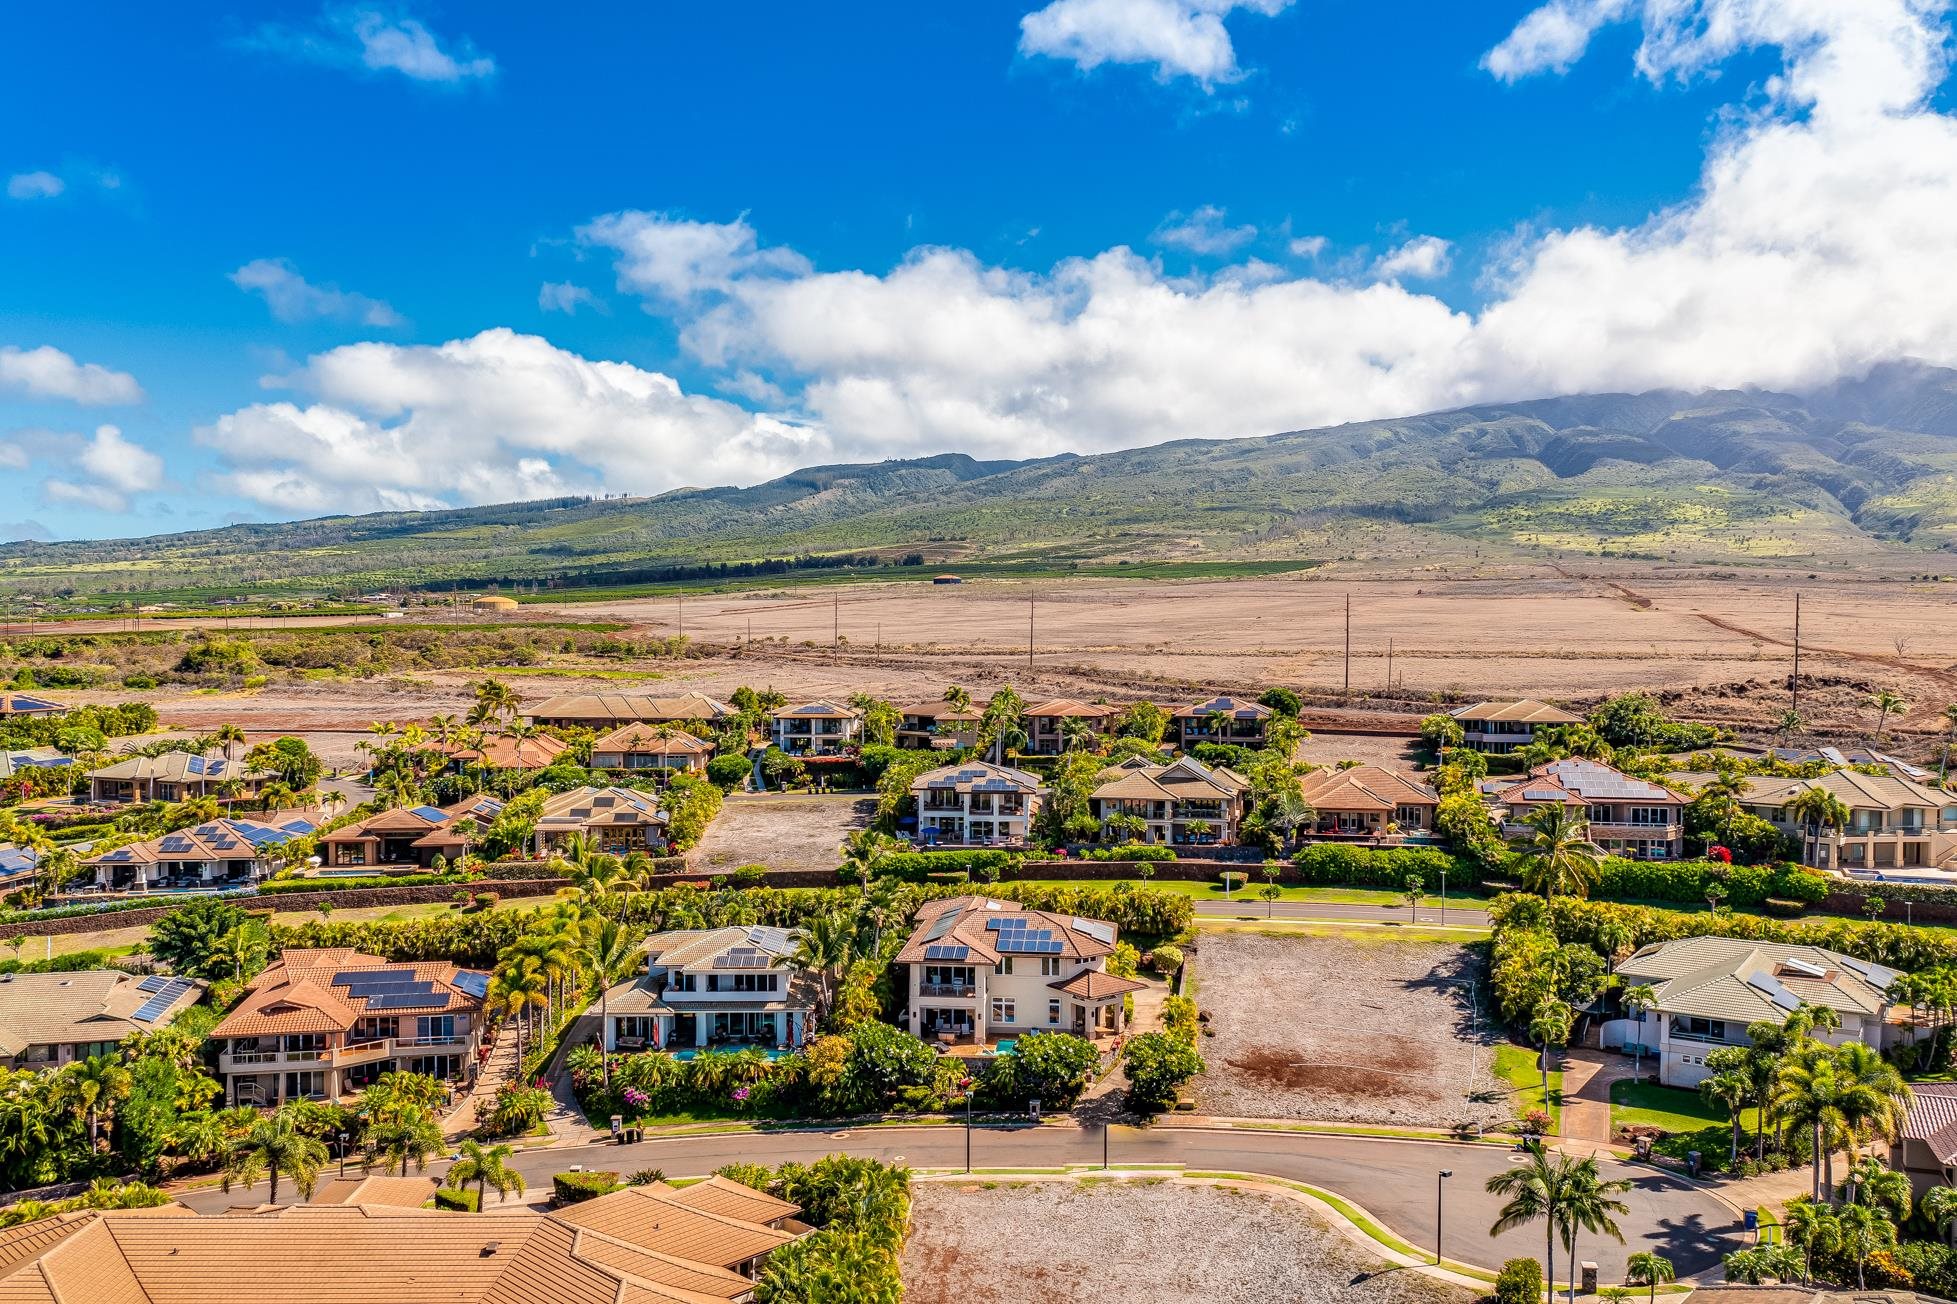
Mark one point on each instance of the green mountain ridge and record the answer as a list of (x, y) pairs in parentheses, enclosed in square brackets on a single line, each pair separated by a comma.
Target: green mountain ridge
[(1857, 469)]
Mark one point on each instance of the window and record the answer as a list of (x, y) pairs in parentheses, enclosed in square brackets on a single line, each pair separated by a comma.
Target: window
[(1053, 1011), (1004, 967), (1002, 1011), (435, 1027), (683, 982), (750, 982), (1049, 966)]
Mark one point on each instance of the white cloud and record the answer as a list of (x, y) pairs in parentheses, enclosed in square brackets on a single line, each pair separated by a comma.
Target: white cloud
[(377, 40), (47, 372), (677, 259), (495, 417), (34, 185), (292, 298), (1551, 38), (1180, 38), (1420, 258), (13, 457), (564, 297), (1307, 246), (1203, 232), (110, 469)]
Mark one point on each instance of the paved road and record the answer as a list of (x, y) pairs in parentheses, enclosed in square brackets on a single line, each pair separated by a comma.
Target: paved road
[(1392, 1179), (1251, 908)]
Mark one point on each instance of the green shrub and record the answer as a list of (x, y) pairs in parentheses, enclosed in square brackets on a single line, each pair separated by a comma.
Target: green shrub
[(1136, 851), (1519, 1282), (574, 1188), (1165, 959), (1342, 865), (458, 1201), (918, 866), (1156, 1065), (1050, 1067), (728, 772), (288, 885)]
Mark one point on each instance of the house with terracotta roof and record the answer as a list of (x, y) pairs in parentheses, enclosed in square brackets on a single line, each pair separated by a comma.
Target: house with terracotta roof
[(938, 725), (618, 821), (976, 804), (1894, 823), (651, 747), (609, 710), (28, 706), (1368, 801), (173, 776), (1184, 802), (322, 1023), (713, 987), (1049, 734), (1628, 816), (1236, 721), (219, 855), (13, 760), (1709, 989), (981, 969), (1927, 1147), (408, 838), (499, 751), (51, 1019), (654, 1244), (816, 728), (1502, 727)]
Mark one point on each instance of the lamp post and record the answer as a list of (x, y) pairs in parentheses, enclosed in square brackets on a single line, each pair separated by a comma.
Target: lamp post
[(343, 1154), (965, 1084), (1440, 1185), (1443, 896)]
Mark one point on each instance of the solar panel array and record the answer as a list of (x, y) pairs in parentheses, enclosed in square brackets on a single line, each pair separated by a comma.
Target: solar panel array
[(388, 989), (430, 813), (742, 957), (942, 925), (165, 996), (947, 952), (473, 982), (1019, 937)]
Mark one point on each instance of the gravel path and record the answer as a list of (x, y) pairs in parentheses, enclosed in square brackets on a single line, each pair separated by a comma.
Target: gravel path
[(1141, 1242), (1354, 1030)]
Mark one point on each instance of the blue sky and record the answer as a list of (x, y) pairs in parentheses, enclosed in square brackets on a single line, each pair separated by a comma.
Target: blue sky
[(298, 259)]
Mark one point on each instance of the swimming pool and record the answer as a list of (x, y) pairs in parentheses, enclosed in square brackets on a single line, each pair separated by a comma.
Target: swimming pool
[(1007, 1046)]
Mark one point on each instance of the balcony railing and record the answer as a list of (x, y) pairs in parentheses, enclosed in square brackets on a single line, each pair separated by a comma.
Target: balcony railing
[(1705, 1038), (964, 990)]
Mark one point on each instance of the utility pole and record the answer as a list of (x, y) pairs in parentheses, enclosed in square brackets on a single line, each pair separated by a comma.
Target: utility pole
[(1029, 633), (682, 598), (1797, 652), (836, 621), (1389, 665), (1348, 642)]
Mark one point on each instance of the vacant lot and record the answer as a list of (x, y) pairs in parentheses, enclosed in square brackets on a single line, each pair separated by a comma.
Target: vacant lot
[(780, 832), (1346, 1028), (1151, 1242)]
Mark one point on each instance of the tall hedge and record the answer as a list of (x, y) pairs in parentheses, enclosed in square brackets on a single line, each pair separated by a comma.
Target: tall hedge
[(1334, 863)]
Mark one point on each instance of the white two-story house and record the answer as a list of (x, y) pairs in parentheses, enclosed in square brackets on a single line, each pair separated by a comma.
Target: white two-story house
[(1709, 989), (713, 987), (985, 970), (816, 728), (976, 804)]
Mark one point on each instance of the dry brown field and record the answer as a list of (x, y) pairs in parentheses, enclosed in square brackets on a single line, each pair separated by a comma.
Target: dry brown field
[(1722, 646)]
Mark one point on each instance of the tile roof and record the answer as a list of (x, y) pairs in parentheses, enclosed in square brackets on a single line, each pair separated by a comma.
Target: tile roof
[(1526, 711), (816, 711), (961, 921), (653, 1218), (1575, 782), (51, 1009), (650, 740), (1846, 756), (940, 711), (978, 776), (589, 807), (1093, 985), (1184, 779), (622, 707), (1932, 1119), (317, 990), (215, 841), (502, 752), (1743, 981), (1854, 789), (1234, 707), (1066, 706), (432, 824), (377, 1189), (33, 758), (1365, 787), (181, 767)]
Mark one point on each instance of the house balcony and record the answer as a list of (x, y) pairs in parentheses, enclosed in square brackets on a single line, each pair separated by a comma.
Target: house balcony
[(1704, 1039), (1616, 829), (954, 991)]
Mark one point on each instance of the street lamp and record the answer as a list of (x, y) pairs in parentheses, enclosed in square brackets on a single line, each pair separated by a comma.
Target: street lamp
[(1443, 894), (1440, 1185), (343, 1154), (965, 1085)]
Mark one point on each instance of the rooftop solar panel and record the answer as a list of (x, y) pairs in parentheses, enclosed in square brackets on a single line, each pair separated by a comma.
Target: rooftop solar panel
[(431, 814), (152, 984), (474, 983), (947, 952), (406, 1001), (742, 958), (166, 996), (941, 925)]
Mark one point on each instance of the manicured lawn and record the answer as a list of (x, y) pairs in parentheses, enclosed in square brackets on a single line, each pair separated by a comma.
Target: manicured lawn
[(1518, 1066), (1247, 895), (1642, 1104)]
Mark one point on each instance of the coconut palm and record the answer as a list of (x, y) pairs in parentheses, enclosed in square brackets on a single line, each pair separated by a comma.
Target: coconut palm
[(1559, 856), (1886, 704), (824, 948), (1075, 732), (1764, 1263), (486, 1166), (1536, 1188), (1813, 1227), (1815, 809), (1549, 1025), (608, 950), (274, 1145), (1731, 1088), (958, 698), (1878, 1101), (515, 990), (92, 1087), (245, 947), (1637, 1000), (1588, 1203), (1650, 1269), (1863, 1232)]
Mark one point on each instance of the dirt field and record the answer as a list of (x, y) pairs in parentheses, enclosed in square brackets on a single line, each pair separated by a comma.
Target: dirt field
[(780, 832), (1139, 1243), (1721, 644), (1340, 1029)]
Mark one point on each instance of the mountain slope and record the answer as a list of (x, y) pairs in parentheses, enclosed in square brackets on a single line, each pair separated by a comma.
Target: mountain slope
[(1856, 469)]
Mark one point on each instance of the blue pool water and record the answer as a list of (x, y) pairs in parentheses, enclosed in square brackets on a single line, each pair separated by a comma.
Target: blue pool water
[(1006, 1046)]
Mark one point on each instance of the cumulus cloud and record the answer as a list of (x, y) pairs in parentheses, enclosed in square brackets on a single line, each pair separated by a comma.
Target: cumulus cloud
[(1205, 231), (292, 298), (34, 185), (1422, 257), (1178, 38), (377, 40), (675, 258), (106, 470), (1307, 246), (47, 372), (564, 297), (1552, 38), (495, 417)]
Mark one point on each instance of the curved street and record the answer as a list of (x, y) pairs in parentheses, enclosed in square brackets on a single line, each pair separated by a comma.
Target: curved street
[(1392, 1179)]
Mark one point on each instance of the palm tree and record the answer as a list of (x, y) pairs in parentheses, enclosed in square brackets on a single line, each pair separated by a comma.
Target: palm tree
[(1075, 731), (1549, 1025), (486, 1167), (1816, 808), (1886, 703), (1651, 1269), (1876, 1184), (608, 950), (1764, 1263), (1587, 1205), (91, 1087), (1814, 1227), (514, 991), (230, 737), (1878, 1099), (1731, 1088), (1863, 1232), (958, 698), (275, 1145), (408, 1133), (1560, 857), (1939, 1205), (1536, 1188), (824, 949), (244, 947)]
